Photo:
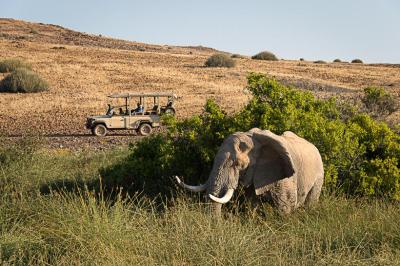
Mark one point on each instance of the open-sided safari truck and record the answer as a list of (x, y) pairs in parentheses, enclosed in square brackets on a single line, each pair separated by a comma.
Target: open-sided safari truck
[(140, 112)]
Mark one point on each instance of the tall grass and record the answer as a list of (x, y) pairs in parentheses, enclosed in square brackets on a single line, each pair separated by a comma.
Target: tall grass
[(81, 226)]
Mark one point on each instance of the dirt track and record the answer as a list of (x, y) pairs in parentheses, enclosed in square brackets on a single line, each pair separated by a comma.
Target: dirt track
[(82, 141)]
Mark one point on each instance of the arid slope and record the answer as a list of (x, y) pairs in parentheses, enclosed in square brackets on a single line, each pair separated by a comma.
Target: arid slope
[(82, 69)]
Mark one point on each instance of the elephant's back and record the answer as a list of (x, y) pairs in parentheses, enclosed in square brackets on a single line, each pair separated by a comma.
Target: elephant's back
[(302, 146)]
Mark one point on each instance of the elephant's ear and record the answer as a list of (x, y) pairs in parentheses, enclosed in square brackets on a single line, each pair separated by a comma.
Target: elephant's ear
[(274, 160)]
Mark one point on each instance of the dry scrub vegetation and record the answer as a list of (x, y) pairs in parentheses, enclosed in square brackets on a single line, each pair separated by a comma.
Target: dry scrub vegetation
[(90, 67)]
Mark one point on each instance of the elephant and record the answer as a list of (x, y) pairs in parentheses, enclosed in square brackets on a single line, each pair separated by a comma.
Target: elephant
[(287, 169)]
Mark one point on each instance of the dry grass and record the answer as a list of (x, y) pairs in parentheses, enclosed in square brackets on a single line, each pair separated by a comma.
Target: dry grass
[(84, 73)]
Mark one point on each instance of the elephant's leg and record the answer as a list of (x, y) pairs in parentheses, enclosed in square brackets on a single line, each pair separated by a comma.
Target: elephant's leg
[(252, 199), (286, 204), (284, 197), (251, 195), (313, 195)]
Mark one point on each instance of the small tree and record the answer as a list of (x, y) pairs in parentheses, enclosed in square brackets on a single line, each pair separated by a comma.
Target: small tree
[(337, 61), (265, 55), (220, 60)]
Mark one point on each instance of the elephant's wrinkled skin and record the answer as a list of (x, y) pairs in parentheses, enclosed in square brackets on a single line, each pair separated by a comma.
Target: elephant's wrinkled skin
[(287, 168)]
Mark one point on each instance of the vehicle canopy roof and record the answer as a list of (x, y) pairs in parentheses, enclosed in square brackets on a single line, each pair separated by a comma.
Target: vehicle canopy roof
[(131, 95)]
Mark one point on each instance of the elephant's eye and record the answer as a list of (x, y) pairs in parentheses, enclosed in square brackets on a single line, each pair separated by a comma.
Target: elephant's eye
[(244, 147), (238, 164)]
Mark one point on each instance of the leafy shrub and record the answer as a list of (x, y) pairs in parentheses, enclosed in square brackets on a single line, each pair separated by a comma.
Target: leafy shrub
[(361, 156), (357, 61), (320, 62), (301, 59), (9, 65), (379, 102), (220, 60), (23, 80), (337, 60), (238, 56), (265, 55)]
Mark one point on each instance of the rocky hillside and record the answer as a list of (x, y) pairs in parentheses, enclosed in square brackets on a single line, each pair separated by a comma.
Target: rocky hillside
[(82, 69)]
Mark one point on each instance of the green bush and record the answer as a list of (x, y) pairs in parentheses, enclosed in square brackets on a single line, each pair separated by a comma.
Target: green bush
[(357, 61), (361, 156), (23, 80), (378, 102), (319, 62), (337, 60), (301, 59), (9, 65), (220, 60), (265, 55)]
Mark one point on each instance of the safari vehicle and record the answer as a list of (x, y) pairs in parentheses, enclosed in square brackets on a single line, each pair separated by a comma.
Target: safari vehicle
[(139, 112)]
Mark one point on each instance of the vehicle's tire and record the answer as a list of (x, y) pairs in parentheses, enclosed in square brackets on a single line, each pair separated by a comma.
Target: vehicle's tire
[(169, 111), (99, 130), (145, 129)]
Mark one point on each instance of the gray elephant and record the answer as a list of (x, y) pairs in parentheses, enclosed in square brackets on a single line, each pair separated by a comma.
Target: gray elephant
[(288, 169)]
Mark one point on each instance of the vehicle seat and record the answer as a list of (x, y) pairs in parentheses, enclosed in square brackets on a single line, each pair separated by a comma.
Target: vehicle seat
[(155, 109)]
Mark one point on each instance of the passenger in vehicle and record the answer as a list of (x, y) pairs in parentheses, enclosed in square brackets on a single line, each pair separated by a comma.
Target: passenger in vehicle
[(139, 109), (110, 110)]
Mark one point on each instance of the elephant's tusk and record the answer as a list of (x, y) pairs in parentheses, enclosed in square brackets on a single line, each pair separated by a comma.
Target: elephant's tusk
[(199, 188), (228, 195)]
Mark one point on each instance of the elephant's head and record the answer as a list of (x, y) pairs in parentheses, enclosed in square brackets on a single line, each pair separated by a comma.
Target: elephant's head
[(256, 157)]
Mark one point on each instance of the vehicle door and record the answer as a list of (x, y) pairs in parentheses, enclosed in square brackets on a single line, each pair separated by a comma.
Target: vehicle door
[(118, 121)]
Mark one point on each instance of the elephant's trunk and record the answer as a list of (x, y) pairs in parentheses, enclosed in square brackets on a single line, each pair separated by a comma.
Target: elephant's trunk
[(215, 209)]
